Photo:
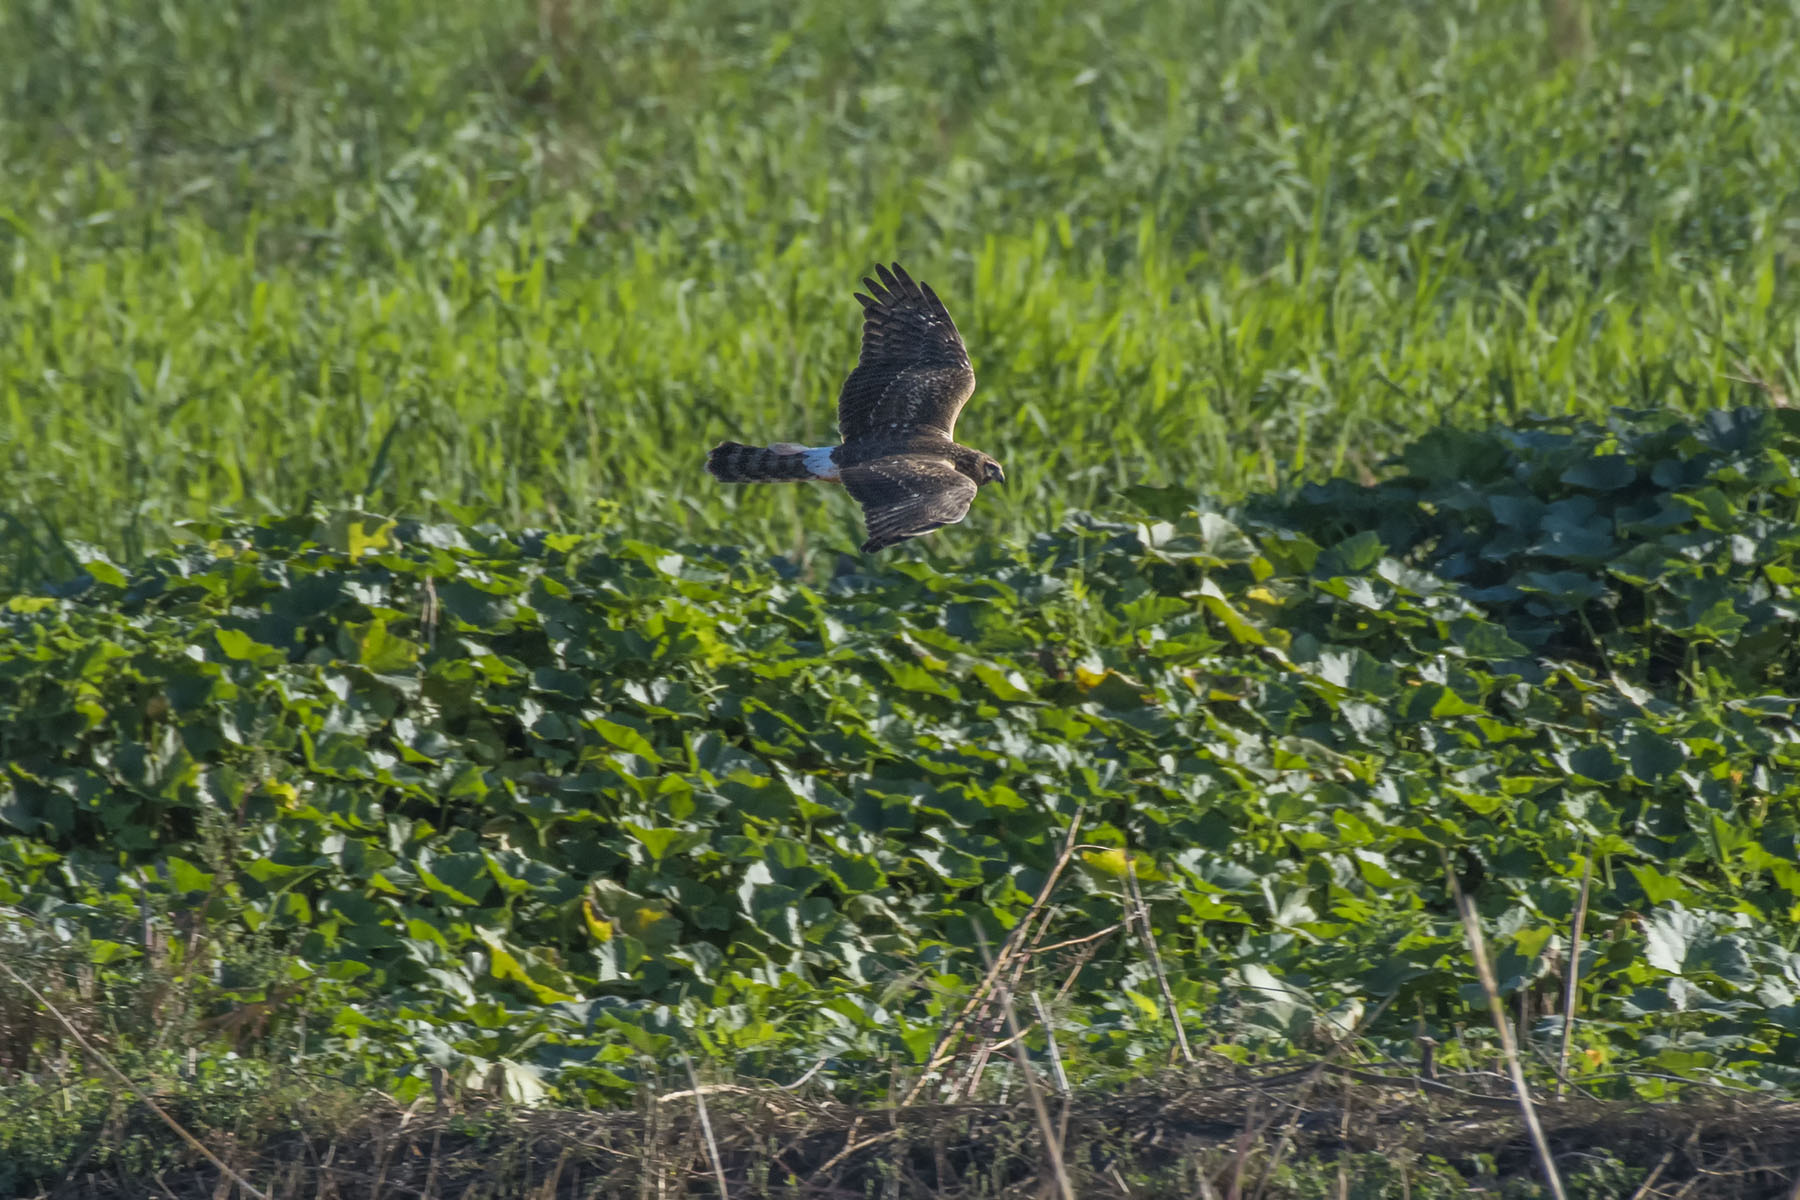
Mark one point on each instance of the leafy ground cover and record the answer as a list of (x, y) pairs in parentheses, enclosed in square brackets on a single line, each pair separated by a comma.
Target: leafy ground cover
[(387, 702), (541, 811), (522, 260)]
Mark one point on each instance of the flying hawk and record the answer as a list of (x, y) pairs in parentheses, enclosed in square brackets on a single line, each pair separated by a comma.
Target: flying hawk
[(897, 417)]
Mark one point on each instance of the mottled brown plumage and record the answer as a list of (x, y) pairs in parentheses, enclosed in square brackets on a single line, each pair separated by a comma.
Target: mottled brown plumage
[(897, 420)]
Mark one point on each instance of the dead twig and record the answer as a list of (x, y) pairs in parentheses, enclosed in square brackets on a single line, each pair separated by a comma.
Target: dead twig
[(810, 1072), (1644, 1188), (941, 1050), (1484, 970), (1419, 1082), (1080, 941), (1309, 1082), (1572, 977), (106, 1064), (1082, 959), (874, 1139), (712, 1147), (1162, 980), (1052, 1144), (1043, 1016)]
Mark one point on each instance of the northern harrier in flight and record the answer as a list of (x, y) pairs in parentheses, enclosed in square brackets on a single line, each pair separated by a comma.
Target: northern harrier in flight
[(897, 417)]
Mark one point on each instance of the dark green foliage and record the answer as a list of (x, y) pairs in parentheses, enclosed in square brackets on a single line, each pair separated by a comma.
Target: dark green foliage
[(534, 806)]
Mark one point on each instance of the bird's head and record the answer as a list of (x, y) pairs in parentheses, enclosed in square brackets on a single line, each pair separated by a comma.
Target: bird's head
[(990, 471)]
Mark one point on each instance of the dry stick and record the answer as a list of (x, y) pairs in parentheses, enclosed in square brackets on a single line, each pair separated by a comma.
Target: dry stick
[(988, 1019), (107, 1063), (712, 1147), (1162, 980), (651, 1139), (1003, 1043), (1344, 1140), (1564, 1080), (431, 1163), (1238, 1160), (1026, 951), (548, 1189), (991, 1023), (989, 1014), (1080, 941), (977, 1067), (810, 1072), (1081, 961), (1497, 1009), (1435, 1086), (428, 613), (1287, 1140), (1572, 977), (940, 1051), (1014, 975), (850, 1148), (1051, 1145), (1043, 1016), (1644, 1188), (1308, 1082)]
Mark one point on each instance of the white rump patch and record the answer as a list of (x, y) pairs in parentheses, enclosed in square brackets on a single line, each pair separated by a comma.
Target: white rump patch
[(818, 461)]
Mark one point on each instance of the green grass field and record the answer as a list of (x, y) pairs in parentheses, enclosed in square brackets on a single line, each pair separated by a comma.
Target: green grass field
[(1402, 489), (529, 261)]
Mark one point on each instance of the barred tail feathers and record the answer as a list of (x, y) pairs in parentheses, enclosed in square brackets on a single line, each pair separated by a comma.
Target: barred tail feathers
[(734, 462)]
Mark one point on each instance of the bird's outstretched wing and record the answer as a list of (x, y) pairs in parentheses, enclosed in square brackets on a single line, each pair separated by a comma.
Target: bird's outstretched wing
[(905, 495), (914, 374)]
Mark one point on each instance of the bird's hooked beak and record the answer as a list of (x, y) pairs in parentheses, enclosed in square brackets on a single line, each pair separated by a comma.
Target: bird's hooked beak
[(995, 474)]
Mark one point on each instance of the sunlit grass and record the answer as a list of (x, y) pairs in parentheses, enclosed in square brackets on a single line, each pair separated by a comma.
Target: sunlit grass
[(530, 260)]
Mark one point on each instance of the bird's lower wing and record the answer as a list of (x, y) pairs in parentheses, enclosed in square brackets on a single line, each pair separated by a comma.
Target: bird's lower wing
[(905, 495)]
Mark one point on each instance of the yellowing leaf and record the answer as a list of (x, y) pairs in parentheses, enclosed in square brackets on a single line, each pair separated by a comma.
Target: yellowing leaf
[(1110, 862), (361, 536), (1236, 624), (502, 964), (1145, 1006)]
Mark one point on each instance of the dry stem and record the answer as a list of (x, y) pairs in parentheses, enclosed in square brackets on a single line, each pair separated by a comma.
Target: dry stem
[(107, 1064), (1497, 1008)]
